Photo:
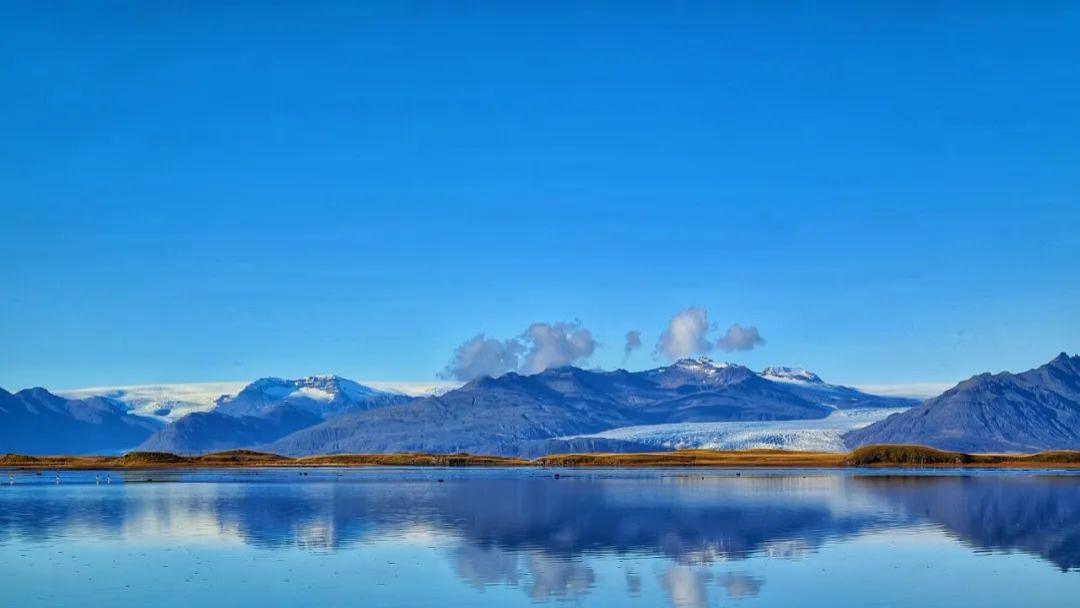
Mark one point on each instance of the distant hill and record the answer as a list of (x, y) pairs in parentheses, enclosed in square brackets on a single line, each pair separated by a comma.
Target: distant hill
[(1027, 412), (35, 421), (265, 410), (203, 432), (528, 415)]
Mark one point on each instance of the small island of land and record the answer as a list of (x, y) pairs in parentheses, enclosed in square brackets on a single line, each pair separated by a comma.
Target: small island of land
[(909, 456)]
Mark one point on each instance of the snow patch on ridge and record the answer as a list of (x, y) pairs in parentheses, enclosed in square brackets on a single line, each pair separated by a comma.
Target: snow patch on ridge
[(795, 375), (162, 401)]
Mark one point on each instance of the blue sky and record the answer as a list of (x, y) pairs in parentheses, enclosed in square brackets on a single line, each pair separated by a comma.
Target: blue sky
[(199, 191)]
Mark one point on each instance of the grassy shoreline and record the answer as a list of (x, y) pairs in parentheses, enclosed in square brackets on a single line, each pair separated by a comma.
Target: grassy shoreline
[(870, 456)]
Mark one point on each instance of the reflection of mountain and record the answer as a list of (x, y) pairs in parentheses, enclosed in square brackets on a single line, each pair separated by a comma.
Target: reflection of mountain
[(539, 533), (1039, 515), (689, 519)]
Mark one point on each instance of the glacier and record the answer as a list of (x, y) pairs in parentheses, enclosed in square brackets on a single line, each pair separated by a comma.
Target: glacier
[(816, 435)]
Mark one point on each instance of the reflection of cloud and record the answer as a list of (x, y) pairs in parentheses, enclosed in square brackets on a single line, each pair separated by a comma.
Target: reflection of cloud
[(685, 586), (787, 549), (633, 583), (740, 585), (483, 566), (557, 577), (316, 535)]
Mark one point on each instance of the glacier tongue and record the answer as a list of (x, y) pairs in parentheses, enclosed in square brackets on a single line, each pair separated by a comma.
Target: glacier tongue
[(820, 435)]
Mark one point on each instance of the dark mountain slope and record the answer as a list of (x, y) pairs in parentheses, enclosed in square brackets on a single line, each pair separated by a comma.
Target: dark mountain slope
[(203, 432), (35, 421), (515, 414), (266, 410), (1035, 410)]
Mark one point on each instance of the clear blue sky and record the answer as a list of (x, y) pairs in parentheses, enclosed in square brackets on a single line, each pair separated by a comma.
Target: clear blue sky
[(213, 191)]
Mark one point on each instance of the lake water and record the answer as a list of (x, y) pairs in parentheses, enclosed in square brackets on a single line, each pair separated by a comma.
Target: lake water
[(400, 537)]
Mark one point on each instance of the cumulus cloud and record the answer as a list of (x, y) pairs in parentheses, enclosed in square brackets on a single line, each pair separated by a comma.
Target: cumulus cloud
[(738, 337), (633, 342), (686, 335), (541, 346), (556, 344), (483, 356)]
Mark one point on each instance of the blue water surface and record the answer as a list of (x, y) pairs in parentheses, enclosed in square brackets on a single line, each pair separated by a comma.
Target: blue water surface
[(516, 537)]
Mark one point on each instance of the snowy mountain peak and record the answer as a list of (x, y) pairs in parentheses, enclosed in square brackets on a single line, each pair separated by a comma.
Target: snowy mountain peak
[(322, 395), (317, 388), (701, 364), (790, 374)]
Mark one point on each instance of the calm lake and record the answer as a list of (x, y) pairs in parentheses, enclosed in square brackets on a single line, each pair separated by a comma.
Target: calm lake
[(400, 537)]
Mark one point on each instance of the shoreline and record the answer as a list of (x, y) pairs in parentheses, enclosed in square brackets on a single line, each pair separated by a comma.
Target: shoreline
[(889, 456)]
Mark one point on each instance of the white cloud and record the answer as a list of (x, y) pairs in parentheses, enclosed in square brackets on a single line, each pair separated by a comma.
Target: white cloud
[(686, 335), (541, 346), (738, 337), (481, 356), (556, 344), (633, 342)]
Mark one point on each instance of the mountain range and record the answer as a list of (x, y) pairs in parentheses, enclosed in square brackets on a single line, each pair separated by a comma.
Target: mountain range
[(266, 410), (35, 421), (510, 414), (691, 403), (1027, 412), (543, 413)]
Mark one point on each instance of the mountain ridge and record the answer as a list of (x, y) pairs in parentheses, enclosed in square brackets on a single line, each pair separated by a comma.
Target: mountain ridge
[(518, 415), (265, 410), (35, 421), (1029, 411)]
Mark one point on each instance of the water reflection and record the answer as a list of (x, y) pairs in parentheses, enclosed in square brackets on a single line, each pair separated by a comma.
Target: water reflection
[(1036, 514), (540, 535)]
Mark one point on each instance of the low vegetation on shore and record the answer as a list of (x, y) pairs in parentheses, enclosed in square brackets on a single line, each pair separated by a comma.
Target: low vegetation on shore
[(869, 456)]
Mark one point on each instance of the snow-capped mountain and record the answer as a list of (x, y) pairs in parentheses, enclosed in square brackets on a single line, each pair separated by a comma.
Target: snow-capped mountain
[(810, 386), (324, 396), (790, 374), (165, 402), (170, 402), (558, 409), (267, 409), (568, 406)]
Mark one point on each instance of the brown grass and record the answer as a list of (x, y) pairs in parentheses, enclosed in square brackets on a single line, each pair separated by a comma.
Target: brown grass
[(408, 460), (904, 455), (869, 456), (696, 458)]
